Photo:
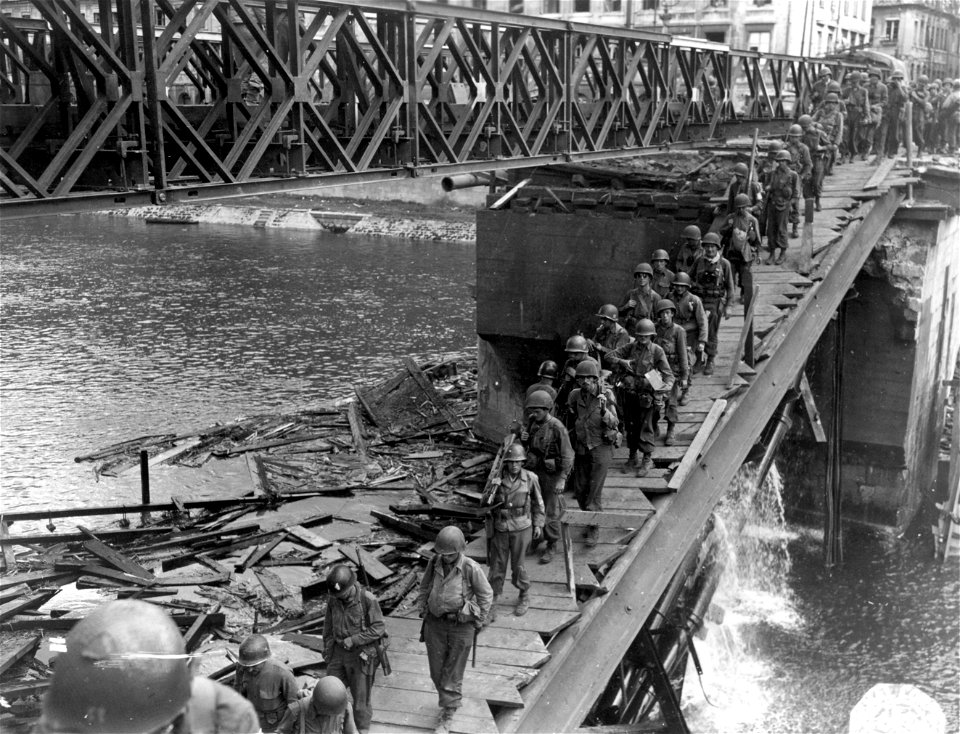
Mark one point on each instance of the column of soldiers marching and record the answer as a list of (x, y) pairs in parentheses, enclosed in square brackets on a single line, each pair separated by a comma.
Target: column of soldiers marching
[(125, 668)]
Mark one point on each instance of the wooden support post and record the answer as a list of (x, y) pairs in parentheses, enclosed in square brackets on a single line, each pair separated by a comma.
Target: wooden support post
[(568, 560), (805, 265), (813, 414), (832, 535), (746, 334), (144, 484)]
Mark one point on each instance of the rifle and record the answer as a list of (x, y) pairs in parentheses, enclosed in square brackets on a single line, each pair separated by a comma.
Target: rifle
[(753, 158), (476, 634), (489, 489)]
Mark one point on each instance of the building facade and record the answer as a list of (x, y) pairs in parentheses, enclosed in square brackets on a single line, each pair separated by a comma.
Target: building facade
[(924, 35)]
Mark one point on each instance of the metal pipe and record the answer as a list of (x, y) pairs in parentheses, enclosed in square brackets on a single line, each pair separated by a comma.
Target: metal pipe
[(784, 420), (465, 181)]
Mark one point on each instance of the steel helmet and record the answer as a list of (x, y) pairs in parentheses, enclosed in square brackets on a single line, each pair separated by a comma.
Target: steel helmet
[(741, 200), (643, 268), (774, 146), (834, 86), (897, 75), (805, 121), (645, 327), (548, 368), (539, 399), (665, 304), (824, 71), (853, 76), (795, 131), (712, 238), (741, 169), (608, 311), (450, 540), (124, 670), (832, 97), (588, 368), (874, 72), (515, 452), (923, 79), (659, 255), (340, 578), (784, 155), (576, 343), (691, 232), (255, 650), (683, 279), (329, 696)]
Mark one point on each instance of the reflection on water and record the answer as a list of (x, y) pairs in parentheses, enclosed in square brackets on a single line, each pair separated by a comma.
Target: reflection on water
[(799, 645), (113, 329)]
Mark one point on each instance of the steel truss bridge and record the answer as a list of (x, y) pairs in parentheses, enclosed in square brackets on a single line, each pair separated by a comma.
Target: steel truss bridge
[(143, 103)]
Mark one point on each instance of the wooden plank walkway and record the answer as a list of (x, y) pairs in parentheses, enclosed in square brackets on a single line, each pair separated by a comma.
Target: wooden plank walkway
[(514, 649)]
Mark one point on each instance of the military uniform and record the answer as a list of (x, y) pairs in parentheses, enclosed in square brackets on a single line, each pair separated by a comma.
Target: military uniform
[(738, 185), (857, 101), (595, 425), (893, 118), (713, 283), (879, 97), (568, 384), (685, 256), (454, 603), (741, 239), (673, 340), (270, 688), (214, 708), (691, 316), (815, 140), (832, 124), (303, 718), (640, 403), (784, 191), (644, 301), (356, 618), (550, 455), (802, 164), (608, 336), (661, 283), (918, 97), (520, 510)]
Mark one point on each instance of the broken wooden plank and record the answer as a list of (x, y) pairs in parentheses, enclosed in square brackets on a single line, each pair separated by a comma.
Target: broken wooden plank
[(308, 537), (62, 624), (371, 565), (439, 404), (37, 577), (813, 414), (9, 558), (17, 653), (263, 445), (356, 430), (287, 602), (31, 601), (261, 552), (606, 519), (113, 557)]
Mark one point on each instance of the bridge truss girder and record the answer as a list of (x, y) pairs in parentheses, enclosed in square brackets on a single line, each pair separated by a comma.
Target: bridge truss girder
[(149, 103)]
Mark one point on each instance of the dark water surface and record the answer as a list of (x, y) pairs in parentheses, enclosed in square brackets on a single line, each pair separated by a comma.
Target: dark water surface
[(113, 329)]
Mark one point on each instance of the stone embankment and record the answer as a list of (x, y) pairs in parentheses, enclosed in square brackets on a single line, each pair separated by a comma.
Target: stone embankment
[(347, 223)]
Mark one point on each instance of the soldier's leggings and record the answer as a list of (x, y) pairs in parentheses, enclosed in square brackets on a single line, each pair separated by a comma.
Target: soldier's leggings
[(509, 547), (553, 505), (448, 649)]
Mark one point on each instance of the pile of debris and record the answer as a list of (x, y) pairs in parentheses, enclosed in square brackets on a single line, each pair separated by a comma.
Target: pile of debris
[(330, 485)]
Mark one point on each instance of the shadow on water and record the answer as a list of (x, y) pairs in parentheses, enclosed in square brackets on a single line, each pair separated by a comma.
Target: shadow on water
[(798, 644)]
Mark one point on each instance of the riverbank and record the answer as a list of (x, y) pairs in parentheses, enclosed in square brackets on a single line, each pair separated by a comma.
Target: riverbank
[(347, 216)]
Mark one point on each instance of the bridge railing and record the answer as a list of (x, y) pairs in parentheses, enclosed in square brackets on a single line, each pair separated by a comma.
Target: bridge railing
[(209, 97)]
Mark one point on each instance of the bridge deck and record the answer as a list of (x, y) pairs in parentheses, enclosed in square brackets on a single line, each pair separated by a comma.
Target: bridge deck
[(535, 653)]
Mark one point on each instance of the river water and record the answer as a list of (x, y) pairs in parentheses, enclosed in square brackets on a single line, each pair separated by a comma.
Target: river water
[(113, 328)]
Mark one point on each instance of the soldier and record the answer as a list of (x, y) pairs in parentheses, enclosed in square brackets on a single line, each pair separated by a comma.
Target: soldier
[(814, 139), (713, 281), (893, 115), (353, 630), (918, 96), (662, 275), (329, 710), (856, 118), (609, 334), (640, 300), (672, 339), (515, 521), (687, 250), (125, 670), (740, 236), (738, 185), (550, 455), (879, 96), (950, 119), (784, 191), (594, 434), (800, 162), (577, 349), (930, 132), (831, 120), (642, 392), (454, 601), (264, 681), (820, 87), (693, 318), (548, 375)]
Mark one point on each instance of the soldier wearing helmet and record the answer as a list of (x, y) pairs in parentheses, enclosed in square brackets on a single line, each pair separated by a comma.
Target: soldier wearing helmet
[(919, 96), (609, 334), (662, 275), (687, 250), (819, 90), (353, 634), (802, 163), (815, 140), (784, 191), (830, 118), (641, 299), (893, 116), (550, 455), (879, 99), (454, 601), (768, 166), (712, 279), (857, 100), (692, 317), (264, 681), (125, 671), (741, 183), (740, 237), (594, 413), (950, 118), (672, 338), (548, 375), (329, 709), (577, 349), (515, 521), (644, 377)]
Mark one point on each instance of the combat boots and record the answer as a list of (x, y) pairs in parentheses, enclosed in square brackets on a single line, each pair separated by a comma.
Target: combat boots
[(794, 232), (591, 536), (708, 367), (493, 608), (547, 555), (631, 461), (645, 466), (816, 204), (669, 439), (523, 603)]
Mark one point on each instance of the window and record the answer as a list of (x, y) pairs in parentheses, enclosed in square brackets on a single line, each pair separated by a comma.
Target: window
[(159, 18), (96, 18), (716, 36), (820, 48), (581, 6), (611, 6), (759, 41), (649, 4), (760, 2), (551, 6), (516, 6), (891, 29)]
